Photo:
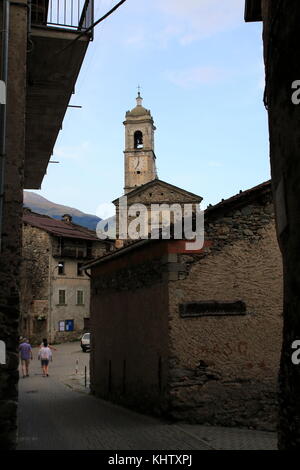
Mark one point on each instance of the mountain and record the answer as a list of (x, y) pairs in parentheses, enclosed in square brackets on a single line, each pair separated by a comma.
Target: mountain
[(41, 205)]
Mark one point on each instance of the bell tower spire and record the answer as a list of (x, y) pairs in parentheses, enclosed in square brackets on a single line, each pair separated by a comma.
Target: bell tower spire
[(139, 146)]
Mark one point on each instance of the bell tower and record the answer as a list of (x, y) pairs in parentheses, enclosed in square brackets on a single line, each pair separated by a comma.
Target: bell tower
[(139, 153)]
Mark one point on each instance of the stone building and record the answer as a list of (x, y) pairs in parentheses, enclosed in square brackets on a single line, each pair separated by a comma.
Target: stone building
[(39, 75), (55, 291), (194, 334)]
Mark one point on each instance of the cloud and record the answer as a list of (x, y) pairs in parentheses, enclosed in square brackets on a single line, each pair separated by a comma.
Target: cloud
[(137, 39), (194, 76), (191, 20), (215, 164)]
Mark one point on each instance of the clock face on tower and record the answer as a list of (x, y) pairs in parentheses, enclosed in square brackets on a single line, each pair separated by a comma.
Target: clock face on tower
[(137, 163)]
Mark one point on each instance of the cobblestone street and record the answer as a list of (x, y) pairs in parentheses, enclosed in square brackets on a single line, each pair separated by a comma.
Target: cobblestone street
[(57, 412)]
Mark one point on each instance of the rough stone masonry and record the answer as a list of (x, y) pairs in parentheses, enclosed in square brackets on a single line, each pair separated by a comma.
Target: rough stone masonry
[(194, 335)]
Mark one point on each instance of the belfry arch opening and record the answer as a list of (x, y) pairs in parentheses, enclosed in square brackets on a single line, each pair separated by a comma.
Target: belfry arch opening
[(138, 140)]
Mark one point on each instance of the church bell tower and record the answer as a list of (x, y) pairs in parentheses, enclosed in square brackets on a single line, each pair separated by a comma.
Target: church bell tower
[(139, 147)]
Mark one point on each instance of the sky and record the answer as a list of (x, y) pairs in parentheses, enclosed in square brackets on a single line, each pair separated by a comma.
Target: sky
[(200, 68)]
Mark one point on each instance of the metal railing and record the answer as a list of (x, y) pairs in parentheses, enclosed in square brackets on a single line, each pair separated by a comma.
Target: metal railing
[(76, 15)]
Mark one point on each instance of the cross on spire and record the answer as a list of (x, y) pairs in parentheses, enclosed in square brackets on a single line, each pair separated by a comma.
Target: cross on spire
[(139, 99)]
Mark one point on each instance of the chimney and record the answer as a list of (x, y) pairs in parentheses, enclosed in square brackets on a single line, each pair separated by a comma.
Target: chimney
[(66, 218)]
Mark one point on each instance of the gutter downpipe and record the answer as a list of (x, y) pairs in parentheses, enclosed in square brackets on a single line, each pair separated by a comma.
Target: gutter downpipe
[(3, 108)]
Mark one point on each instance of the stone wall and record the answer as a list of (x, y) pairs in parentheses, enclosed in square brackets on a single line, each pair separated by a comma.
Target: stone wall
[(35, 283), (223, 368), (11, 234)]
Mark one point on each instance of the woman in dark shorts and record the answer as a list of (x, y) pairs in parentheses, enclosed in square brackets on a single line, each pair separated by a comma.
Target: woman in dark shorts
[(45, 355)]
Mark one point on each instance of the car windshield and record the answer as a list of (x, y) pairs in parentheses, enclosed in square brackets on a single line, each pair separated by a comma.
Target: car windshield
[(86, 336)]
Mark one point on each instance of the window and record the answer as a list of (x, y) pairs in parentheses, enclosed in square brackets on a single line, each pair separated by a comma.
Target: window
[(138, 140), (79, 272), (80, 297), (61, 267), (66, 325), (62, 297)]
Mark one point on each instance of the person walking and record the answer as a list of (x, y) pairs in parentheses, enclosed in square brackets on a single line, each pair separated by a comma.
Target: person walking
[(51, 347), (45, 355), (25, 351)]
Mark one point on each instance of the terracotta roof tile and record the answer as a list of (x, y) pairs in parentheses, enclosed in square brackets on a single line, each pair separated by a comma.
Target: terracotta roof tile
[(58, 227)]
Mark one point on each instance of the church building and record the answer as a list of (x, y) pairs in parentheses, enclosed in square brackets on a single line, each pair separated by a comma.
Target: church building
[(142, 185)]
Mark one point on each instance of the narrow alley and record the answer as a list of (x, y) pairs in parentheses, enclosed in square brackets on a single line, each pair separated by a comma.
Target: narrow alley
[(58, 413)]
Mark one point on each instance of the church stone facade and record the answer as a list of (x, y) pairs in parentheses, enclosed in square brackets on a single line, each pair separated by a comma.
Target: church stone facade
[(142, 185)]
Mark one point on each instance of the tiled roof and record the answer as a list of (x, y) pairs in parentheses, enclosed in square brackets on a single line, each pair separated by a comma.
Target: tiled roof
[(58, 228), (241, 198)]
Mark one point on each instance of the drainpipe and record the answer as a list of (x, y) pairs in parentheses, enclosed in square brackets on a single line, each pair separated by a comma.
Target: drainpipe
[(4, 73)]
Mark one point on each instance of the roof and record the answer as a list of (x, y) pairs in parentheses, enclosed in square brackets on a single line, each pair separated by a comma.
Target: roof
[(156, 181), (242, 198), (138, 111), (58, 228)]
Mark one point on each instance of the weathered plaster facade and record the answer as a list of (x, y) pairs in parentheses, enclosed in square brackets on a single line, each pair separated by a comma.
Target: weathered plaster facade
[(43, 311), (206, 367)]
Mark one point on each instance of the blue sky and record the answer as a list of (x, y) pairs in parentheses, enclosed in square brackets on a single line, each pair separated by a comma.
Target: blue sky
[(201, 73)]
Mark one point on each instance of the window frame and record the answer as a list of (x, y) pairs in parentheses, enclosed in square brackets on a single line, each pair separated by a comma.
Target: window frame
[(79, 291), (59, 297)]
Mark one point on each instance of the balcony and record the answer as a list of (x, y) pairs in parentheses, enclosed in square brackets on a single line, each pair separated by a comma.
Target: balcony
[(58, 41), (75, 15), (68, 248)]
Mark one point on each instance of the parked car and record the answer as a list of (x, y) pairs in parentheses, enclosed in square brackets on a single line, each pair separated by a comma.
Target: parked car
[(85, 342)]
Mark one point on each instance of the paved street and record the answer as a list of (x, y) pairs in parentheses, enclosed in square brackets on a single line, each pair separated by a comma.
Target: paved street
[(57, 412)]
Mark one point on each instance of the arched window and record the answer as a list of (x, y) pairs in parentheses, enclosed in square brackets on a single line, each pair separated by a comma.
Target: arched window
[(138, 140)]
